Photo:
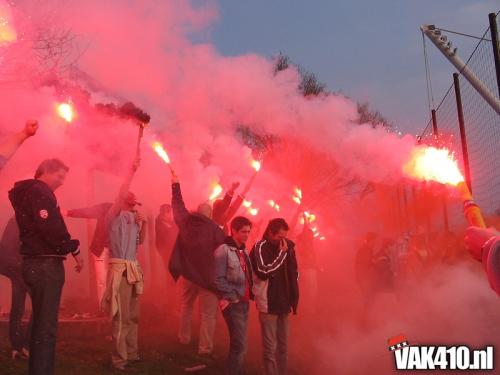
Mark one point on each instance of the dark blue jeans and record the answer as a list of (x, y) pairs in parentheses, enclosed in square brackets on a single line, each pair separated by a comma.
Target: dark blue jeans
[(17, 336), (44, 277), (236, 317)]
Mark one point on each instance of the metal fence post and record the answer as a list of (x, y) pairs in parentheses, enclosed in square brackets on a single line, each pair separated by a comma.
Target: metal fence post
[(461, 124), (494, 41)]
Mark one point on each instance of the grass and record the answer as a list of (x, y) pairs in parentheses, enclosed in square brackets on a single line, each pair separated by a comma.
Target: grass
[(84, 349)]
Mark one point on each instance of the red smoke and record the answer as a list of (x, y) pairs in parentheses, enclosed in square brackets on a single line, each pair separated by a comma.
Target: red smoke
[(141, 51)]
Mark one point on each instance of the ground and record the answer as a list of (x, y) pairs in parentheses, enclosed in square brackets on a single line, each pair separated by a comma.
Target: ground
[(84, 349)]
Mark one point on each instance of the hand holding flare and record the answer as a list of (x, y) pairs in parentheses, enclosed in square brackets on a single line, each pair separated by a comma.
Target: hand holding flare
[(160, 151), (439, 165)]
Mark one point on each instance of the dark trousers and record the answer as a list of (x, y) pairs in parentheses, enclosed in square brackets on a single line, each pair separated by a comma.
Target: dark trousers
[(17, 336), (236, 317), (44, 277)]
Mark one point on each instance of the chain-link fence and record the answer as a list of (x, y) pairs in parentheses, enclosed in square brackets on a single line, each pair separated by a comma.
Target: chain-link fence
[(482, 139)]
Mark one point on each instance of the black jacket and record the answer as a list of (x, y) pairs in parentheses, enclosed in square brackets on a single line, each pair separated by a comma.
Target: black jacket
[(10, 257), (199, 236), (42, 229), (276, 287)]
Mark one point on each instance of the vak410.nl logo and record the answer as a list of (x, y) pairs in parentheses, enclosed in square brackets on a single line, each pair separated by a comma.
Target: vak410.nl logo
[(434, 357)]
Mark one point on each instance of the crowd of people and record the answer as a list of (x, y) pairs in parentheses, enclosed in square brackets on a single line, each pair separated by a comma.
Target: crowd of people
[(206, 249), (391, 265)]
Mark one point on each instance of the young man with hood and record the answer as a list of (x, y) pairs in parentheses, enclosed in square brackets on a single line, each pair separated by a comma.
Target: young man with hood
[(193, 259), (126, 229), (9, 146), (276, 292), (45, 243), (233, 281)]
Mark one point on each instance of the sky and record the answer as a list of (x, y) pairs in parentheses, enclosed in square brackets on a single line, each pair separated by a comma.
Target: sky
[(370, 50)]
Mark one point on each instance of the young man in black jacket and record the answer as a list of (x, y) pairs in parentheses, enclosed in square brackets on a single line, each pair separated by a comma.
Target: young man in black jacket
[(276, 292), (45, 243), (193, 259)]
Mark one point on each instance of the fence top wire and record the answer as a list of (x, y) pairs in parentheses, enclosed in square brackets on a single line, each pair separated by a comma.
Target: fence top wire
[(490, 82), (429, 124), (482, 131)]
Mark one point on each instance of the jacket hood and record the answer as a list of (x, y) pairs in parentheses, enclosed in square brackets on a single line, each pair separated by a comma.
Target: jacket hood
[(20, 188), (230, 242), (290, 243)]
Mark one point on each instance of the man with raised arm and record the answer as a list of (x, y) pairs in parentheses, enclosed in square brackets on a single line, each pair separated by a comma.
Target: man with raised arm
[(126, 229), (193, 259)]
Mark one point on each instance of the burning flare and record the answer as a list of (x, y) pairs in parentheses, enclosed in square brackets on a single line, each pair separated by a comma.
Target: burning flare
[(7, 32), (216, 192), (66, 112), (298, 192), (274, 205), (433, 164), (157, 146), (253, 211), (247, 204), (439, 165), (256, 165), (310, 217), (297, 198)]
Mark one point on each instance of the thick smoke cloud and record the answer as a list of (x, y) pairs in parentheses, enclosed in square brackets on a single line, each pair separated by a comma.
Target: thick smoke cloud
[(93, 52)]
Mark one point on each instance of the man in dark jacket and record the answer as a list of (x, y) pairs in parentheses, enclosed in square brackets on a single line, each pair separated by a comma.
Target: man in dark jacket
[(193, 259), (45, 243), (10, 267), (99, 246), (276, 292)]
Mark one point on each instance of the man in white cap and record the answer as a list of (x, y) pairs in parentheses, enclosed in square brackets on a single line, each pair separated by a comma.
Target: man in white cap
[(126, 229)]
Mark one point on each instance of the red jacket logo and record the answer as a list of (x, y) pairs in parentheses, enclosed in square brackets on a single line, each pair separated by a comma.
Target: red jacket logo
[(44, 214)]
